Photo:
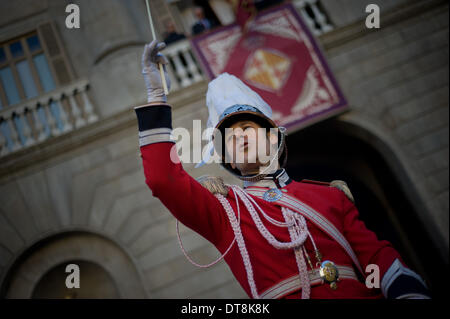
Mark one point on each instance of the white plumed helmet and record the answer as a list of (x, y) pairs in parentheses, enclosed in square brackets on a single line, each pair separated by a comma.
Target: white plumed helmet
[(227, 90)]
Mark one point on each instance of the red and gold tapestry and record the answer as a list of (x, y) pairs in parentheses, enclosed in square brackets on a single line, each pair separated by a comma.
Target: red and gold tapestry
[(278, 58)]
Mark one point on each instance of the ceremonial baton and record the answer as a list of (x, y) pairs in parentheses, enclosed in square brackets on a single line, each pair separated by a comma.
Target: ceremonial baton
[(161, 70)]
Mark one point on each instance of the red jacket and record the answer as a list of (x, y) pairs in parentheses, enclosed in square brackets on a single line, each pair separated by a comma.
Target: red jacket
[(197, 208)]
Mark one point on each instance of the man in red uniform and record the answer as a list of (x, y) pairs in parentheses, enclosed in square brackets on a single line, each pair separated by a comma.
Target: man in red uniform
[(281, 238)]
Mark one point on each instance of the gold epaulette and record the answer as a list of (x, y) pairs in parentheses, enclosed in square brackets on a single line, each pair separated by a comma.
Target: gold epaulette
[(214, 184), (341, 185)]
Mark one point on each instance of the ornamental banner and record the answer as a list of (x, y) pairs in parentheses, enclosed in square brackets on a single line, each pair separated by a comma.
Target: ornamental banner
[(278, 58)]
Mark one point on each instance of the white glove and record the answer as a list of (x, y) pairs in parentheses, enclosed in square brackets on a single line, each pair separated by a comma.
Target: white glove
[(150, 69)]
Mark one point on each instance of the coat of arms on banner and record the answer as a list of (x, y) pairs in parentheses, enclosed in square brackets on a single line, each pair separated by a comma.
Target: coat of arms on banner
[(279, 59)]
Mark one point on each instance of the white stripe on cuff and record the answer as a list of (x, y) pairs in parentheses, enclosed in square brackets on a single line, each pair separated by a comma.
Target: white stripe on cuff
[(396, 270), (155, 138), (413, 296), (155, 131)]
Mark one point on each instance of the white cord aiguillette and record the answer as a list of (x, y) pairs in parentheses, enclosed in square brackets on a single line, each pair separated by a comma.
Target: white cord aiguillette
[(298, 232)]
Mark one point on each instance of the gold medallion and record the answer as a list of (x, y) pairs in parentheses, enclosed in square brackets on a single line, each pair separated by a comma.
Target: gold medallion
[(329, 273)]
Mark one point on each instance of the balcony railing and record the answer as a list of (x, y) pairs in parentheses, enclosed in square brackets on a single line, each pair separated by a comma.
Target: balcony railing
[(69, 108), (183, 68), (55, 113), (314, 16)]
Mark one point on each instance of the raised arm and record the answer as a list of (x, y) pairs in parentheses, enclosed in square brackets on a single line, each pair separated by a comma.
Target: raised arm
[(186, 199)]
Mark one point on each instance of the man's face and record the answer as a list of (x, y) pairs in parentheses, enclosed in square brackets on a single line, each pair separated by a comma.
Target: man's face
[(170, 26), (243, 141), (199, 13)]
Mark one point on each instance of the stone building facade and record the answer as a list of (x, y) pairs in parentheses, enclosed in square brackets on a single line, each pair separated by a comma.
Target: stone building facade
[(72, 188)]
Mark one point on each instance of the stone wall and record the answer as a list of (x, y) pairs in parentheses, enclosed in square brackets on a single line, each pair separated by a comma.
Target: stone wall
[(396, 81)]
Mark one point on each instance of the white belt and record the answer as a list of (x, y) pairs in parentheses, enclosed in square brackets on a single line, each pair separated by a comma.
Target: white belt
[(292, 284)]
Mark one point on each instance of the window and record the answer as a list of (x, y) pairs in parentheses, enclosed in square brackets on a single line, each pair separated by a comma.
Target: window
[(32, 65)]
